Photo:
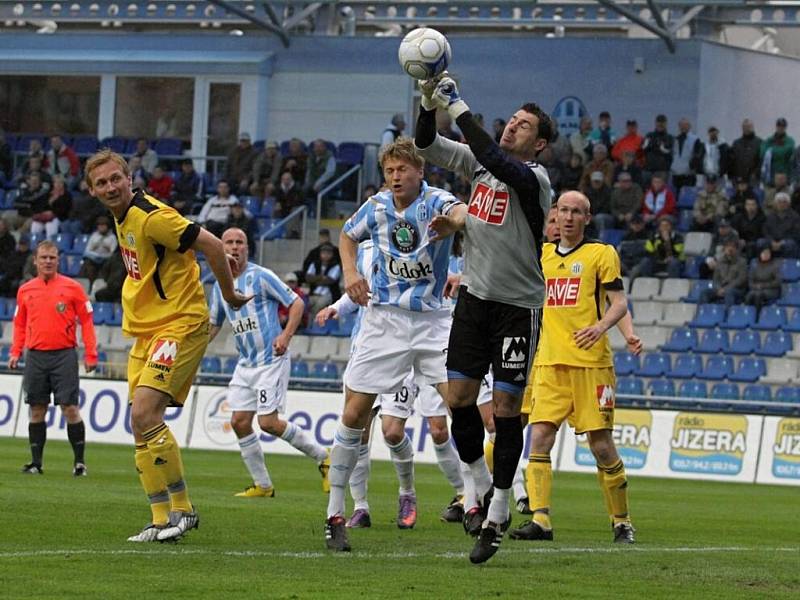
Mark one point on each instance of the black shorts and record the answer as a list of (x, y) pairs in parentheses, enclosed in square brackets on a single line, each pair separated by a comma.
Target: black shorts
[(492, 333), (51, 371)]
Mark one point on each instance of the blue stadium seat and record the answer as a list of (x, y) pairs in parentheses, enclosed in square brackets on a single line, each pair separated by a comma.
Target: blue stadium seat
[(790, 295), (116, 143), (612, 236), (351, 153), (314, 329), (740, 316), (758, 392), (116, 315), (85, 144), (686, 366), (697, 287), (626, 363), (211, 364), (630, 386), (745, 342), (79, 244), (682, 339), (790, 270), (70, 265), (685, 218), (787, 394), (168, 147), (103, 311), (230, 365), (749, 370), (267, 207), (708, 315), (252, 204), (712, 341), (345, 324), (7, 308), (771, 317), (5, 354), (717, 368), (2, 194), (793, 324), (299, 368), (35, 239), (693, 389), (776, 343), (687, 197), (24, 141), (325, 370), (691, 267), (725, 391), (64, 242), (655, 364), (662, 387)]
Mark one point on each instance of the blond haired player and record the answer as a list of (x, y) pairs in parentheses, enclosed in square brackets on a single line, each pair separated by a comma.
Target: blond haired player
[(164, 309), (573, 377)]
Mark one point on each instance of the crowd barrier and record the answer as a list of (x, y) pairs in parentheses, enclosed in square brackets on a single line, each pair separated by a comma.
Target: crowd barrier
[(657, 443)]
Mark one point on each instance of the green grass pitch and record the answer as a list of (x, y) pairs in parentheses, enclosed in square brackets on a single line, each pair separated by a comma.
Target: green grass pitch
[(65, 538)]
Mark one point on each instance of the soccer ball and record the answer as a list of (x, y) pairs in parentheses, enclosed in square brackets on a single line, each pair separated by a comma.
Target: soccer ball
[(424, 53)]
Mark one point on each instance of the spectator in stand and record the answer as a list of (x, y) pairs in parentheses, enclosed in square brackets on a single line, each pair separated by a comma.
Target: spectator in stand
[(659, 201), (6, 159), (62, 160), (580, 140), (633, 247), (268, 199), (7, 241), (296, 161), (393, 130), (34, 165), (628, 165), (12, 267), (313, 255), (710, 206), (716, 154), (108, 285), (630, 142), (137, 170), (776, 153), (626, 199), (320, 169), (323, 278), (35, 150), (664, 252), (85, 209), (729, 282), (188, 188), (444, 127), (215, 212), (599, 195), (687, 158), (60, 200), (160, 185), (764, 280), (780, 184), (266, 169), (239, 167), (658, 147), (242, 219), (288, 196), (749, 223), (782, 227), (99, 248), (741, 192), (368, 192), (559, 147), (745, 161), (723, 234), (33, 196), (572, 173), (603, 134), (147, 156), (290, 279), (599, 163), (498, 126)]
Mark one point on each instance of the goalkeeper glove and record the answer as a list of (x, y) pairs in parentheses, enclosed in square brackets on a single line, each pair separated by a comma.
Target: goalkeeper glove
[(427, 87), (446, 96)]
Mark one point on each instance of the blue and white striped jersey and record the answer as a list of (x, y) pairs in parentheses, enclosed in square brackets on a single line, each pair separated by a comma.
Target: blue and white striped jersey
[(255, 324), (409, 270)]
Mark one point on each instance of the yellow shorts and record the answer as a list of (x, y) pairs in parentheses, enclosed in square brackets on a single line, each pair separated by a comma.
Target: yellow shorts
[(527, 399), (167, 361), (583, 396)]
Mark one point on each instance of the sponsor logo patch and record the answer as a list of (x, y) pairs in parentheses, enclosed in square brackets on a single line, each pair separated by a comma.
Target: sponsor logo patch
[(163, 356), (404, 236), (131, 261), (515, 351), (563, 291), (488, 205), (605, 397), (61, 307), (411, 270)]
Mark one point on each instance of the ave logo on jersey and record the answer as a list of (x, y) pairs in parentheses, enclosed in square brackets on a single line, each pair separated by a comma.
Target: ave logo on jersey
[(131, 261), (404, 236), (515, 351), (563, 291), (163, 356), (488, 205)]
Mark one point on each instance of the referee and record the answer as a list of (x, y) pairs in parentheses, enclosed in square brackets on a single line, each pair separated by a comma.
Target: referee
[(48, 309)]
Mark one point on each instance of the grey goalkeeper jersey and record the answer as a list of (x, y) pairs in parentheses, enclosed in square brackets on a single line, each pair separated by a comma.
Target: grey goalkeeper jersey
[(509, 202)]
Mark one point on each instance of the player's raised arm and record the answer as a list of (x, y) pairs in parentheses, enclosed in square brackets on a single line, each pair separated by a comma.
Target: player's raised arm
[(211, 247)]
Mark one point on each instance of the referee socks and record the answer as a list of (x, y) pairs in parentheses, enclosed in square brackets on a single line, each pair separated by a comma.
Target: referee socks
[(37, 436), (76, 432)]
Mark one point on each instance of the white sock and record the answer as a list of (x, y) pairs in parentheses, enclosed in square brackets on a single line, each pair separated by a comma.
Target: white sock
[(481, 476), (253, 457), (359, 479), (447, 457), (403, 459), (470, 497), (344, 456), (498, 507), (519, 480), (298, 438)]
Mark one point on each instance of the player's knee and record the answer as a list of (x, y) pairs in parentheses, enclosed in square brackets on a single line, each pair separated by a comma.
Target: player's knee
[(143, 418), (438, 430), (603, 449), (543, 438), (38, 412), (393, 432), (242, 424)]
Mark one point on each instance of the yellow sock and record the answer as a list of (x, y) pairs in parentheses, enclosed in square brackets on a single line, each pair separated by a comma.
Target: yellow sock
[(539, 485), (488, 453), (166, 455), (154, 485), (601, 479), (615, 485)]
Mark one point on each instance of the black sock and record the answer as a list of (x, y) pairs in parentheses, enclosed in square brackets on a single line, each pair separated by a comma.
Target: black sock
[(37, 436), (508, 444), (76, 432), (467, 430)]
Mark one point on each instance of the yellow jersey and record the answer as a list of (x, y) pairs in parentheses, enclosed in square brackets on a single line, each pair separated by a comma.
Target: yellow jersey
[(575, 297), (163, 283)]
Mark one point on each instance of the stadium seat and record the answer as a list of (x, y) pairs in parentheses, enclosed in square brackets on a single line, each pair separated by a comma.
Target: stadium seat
[(7, 308), (708, 315), (655, 364), (787, 394), (344, 325), (678, 314), (314, 329), (790, 270), (745, 342), (771, 317), (79, 244), (717, 368), (229, 366), (299, 345), (85, 144), (24, 141), (776, 343), (691, 267), (758, 392), (612, 236), (115, 320), (267, 207), (781, 370), (5, 353), (299, 369), (672, 289), (322, 347), (686, 366), (351, 153), (252, 204), (662, 387), (645, 288), (325, 370), (712, 341), (793, 323), (168, 147), (697, 288), (697, 243), (740, 316), (630, 386), (116, 143), (693, 389), (70, 265), (685, 218), (211, 365), (687, 197), (682, 339), (648, 313), (790, 295), (653, 337), (103, 311), (35, 239), (64, 242), (626, 363), (725, 391), (749, 370)]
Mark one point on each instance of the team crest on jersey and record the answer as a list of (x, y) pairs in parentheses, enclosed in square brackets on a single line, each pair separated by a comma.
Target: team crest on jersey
[(163, 356), (404, 236), (422, 212), (130, 239), (577, 268), (61, 307)]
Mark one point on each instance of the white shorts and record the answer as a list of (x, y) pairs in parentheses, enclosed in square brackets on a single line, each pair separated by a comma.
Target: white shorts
[(425, 398), (485, 392), (260, 389), (392, 341)]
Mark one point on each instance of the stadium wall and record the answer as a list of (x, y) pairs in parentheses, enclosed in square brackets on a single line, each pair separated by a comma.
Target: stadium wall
[(720, 447), (346, 89)]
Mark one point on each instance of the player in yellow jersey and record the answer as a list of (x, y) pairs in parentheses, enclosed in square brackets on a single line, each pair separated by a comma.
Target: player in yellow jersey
[(164, 309), (573, 376)]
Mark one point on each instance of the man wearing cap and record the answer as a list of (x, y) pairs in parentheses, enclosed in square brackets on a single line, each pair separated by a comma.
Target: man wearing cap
[(709, 206), (240, 164), (776, 153), (730, 277), (393, 130), (745, 154), (626, 199), (630, 142), (266, 168), (717, 154), (658, 146), (782, 227), (291, 280)]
